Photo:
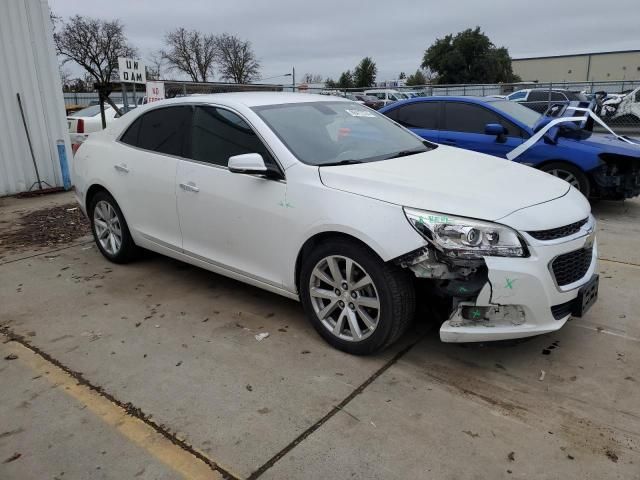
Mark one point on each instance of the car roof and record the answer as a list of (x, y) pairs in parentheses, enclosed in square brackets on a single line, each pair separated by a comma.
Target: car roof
[(254, 99)]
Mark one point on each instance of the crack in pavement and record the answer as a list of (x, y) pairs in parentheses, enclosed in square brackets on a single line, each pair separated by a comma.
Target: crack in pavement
[(629, 264), (128, 407), (53, 250), (338, 408)]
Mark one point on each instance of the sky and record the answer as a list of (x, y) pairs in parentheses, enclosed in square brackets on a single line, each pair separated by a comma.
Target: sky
[(330, 36)]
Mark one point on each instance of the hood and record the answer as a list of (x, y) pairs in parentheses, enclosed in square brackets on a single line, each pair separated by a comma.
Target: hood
[(449, 180)]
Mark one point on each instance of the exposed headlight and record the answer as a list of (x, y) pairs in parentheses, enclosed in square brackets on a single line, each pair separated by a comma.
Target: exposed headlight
[(465, 237)]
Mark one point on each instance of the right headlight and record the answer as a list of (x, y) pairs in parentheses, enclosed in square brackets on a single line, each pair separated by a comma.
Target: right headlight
[(465, 237)]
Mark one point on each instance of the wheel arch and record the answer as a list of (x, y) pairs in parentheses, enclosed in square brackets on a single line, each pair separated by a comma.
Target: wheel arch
[(322, 237), (91, 192)]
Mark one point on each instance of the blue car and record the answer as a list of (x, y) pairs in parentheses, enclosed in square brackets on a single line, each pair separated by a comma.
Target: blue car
[(599, 165)]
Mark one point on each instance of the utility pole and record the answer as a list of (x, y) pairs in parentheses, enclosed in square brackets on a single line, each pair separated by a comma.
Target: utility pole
[(293, 79)]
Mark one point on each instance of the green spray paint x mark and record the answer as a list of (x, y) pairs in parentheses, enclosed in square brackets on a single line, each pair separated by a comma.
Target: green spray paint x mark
[(509, 283), (475, 313)]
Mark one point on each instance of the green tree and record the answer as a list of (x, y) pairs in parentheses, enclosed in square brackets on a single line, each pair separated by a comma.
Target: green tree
[(468, 57), (330, 83), (345, 80), (364, 74), (417, 78), (402, 76)]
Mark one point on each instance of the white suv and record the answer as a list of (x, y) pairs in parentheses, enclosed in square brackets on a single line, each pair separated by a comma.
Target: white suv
[(325, 201)]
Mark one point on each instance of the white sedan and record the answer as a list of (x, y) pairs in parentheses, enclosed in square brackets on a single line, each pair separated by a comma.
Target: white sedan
[(322, 200), (89, 120)]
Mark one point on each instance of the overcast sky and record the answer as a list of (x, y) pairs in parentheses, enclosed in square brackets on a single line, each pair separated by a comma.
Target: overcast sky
[(330, 36)]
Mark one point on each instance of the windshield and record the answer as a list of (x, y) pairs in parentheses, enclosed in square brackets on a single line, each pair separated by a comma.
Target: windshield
[(321, 133), (91, 111), (519, 112)]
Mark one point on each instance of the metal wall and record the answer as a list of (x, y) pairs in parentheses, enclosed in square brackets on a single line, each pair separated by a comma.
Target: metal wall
[(28, 66), (593, 67)]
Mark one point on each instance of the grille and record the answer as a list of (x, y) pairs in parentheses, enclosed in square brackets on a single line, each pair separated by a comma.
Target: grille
[(572, 266), (562, 310), (559, 232)]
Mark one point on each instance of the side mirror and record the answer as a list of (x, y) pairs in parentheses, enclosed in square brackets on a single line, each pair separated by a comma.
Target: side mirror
[(494, 129), (250, 163)]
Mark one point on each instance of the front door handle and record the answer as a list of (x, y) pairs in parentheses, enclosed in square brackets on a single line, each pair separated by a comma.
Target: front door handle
[(122, 168), (189, 187)]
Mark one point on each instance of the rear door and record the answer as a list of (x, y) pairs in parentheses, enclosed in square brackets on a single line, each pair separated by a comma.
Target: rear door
[(422, 118), (224, 215), (463, 126), (146, 170)]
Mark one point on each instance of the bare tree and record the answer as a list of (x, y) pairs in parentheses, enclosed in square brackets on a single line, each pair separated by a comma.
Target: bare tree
[(236, 59), (190, 52), (95, 45), (312, 78), (155, 62)]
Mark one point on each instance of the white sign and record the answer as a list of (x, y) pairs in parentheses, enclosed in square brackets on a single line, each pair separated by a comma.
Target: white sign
[(131, 71), (155, 91)]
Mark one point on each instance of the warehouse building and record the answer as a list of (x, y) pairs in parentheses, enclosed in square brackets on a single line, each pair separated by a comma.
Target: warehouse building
[(34, 150), (584, 67)]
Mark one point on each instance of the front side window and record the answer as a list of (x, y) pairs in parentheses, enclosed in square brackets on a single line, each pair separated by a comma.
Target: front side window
[(162, 130), (538, 96), (218, 134), (320, 133), (465, 117)]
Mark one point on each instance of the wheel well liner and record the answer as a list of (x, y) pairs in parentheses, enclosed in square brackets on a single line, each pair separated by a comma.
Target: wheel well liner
[(320, 238), (91, 192)]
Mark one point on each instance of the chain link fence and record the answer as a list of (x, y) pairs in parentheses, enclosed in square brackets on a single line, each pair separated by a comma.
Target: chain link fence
[(617, 103)]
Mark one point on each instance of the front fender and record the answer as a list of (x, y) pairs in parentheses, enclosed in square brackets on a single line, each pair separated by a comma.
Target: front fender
[(582, 156)]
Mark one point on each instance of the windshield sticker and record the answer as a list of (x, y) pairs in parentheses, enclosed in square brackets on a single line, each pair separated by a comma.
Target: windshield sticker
[(360, 113)]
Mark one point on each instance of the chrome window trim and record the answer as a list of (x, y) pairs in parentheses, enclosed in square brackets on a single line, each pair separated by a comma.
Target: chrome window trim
[(178, 157)]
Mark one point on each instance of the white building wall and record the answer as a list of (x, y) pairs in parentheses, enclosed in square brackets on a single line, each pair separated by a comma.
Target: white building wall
[(28, 66)]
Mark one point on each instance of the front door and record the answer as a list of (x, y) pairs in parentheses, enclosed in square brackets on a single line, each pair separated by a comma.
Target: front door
[(224, 215), (463, 126)]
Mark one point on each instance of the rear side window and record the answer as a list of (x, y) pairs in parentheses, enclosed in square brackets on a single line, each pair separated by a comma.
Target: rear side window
[(557, 97), (465, 117), (218, 134), (418, 115), (163, 130), (518, 95)]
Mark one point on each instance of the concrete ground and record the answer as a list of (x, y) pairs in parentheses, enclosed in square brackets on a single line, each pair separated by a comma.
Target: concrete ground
[(152, 370)]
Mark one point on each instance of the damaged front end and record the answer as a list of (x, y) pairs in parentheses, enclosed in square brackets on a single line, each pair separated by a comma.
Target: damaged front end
[(452, 267), (618, 177), (463, 288)]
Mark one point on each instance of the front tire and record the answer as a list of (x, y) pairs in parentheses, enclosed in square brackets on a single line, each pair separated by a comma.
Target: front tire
[(570, 174), (354, 300), (110, 230)]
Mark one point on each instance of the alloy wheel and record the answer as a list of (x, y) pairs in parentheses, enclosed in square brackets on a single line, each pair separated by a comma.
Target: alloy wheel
[(344, 298), (107, 226)]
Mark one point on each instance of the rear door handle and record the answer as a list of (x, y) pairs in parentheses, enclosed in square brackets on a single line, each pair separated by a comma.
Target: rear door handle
[(189, 187), (122, 168), (449, 141)]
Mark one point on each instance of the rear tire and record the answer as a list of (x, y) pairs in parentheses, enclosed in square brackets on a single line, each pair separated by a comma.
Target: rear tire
[(570, 174), (354, 300), (110, 230)]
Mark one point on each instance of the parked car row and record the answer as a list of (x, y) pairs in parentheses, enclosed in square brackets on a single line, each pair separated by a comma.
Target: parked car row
[(328, 202)]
